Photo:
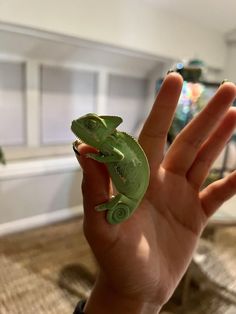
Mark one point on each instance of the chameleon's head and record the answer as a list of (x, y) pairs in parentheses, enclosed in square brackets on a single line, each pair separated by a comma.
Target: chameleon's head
[(93, 129)]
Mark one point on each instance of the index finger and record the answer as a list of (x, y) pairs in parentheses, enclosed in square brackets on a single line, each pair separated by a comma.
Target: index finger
[(154, 133)]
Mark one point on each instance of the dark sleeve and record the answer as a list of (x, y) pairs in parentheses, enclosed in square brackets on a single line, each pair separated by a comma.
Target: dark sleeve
[(80, 307)]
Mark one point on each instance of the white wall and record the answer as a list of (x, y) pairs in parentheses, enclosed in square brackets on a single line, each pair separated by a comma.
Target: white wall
[(230, 73), (230, 66), (48, 188), (132, 24)]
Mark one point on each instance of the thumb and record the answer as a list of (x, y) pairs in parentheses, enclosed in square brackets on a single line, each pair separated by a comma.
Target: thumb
[(96, 189)]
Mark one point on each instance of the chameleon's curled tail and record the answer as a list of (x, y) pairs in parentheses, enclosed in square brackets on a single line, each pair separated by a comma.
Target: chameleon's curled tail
[(119, 208), (118, 213)]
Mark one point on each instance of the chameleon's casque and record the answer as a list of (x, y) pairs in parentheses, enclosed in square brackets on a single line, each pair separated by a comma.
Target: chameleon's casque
[(126, 161)]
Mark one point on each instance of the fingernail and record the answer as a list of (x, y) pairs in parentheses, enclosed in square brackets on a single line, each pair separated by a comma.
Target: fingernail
[(224, 81), (170, 71), (74, 146)]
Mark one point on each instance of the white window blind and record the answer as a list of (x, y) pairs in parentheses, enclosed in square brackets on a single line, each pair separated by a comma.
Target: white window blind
[(127, 98), (12, 111), (66, 95)]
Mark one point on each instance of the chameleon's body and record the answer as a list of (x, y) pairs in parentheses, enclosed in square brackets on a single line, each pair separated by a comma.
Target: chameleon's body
[(126, 161)]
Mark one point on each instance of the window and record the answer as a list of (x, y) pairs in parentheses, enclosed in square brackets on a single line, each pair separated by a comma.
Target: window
[(127, 98), (38, 103), (66, 94), (12, 107)]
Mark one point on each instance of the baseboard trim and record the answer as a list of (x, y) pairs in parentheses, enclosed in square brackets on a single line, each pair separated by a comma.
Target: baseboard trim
[(40, 220)]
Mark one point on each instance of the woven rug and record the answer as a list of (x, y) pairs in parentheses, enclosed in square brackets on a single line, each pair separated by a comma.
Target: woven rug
[(207, 302), (215, 273), (46, 270), (217, 262)]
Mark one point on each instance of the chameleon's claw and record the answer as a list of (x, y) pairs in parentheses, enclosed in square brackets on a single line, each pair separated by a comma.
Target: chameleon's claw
[(101, 208), (92, 156), (107, 205)]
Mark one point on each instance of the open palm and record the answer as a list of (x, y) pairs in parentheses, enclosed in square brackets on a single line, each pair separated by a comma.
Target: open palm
[(146, 256)]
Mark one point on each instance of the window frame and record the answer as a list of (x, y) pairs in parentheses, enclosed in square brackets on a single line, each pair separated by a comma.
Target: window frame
[(33, 148)]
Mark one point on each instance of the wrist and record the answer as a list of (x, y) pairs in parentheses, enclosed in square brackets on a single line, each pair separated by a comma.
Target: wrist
[(104, 300)]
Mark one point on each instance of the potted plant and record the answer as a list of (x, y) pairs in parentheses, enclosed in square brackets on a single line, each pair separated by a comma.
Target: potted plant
[(2, 157)]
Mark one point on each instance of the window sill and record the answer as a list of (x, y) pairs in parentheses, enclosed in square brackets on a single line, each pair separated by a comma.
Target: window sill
[(37, 167), (21, 153)]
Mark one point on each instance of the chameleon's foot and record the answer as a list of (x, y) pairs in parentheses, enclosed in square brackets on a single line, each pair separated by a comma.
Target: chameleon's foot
[(101, 208), (108, 205), (93, 156), (117, 209), (120, 213)]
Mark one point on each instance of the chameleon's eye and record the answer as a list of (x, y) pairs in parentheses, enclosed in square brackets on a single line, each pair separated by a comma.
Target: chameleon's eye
[(91, 124)]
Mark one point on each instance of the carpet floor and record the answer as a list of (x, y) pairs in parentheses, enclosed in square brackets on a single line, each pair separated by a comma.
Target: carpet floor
[(47, 270)]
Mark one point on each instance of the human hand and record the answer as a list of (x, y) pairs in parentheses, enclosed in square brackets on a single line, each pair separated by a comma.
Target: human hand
[(142, 260)]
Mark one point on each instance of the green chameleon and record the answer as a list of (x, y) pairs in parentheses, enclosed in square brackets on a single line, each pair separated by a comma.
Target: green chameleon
[(126, 161)]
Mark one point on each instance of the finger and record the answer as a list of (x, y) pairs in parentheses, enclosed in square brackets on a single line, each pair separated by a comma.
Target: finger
[(215, 194), (183, 151), (211, 149), (154, 133), (96, 189)]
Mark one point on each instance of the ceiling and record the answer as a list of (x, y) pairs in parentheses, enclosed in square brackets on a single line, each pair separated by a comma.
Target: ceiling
[(215, 14)]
